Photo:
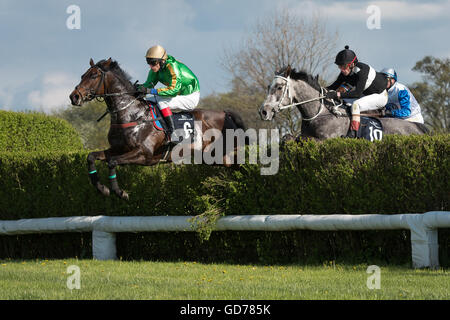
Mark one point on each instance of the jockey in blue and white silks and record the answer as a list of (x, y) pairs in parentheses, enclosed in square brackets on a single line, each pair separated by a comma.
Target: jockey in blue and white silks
[(401, 102)]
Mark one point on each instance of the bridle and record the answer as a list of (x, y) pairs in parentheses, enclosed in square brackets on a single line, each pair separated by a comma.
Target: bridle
[(285, 91), (92, 94), (290, 105)]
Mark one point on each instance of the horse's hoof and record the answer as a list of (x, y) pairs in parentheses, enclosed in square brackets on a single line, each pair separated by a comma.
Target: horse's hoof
[(103, 190), (123, 195)]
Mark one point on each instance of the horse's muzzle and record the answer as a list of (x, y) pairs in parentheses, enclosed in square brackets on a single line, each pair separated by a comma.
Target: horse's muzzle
[(266, 112), (76, 98)]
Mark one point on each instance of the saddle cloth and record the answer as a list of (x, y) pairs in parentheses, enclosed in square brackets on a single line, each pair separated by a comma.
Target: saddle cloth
[(182, 120), (370, 129)]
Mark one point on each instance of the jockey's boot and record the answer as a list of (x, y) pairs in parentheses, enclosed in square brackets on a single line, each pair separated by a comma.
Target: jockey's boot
[(353, 131), (172, 138), (168, 118)]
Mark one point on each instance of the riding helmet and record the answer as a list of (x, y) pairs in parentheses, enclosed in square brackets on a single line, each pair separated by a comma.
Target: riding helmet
[(390, 73), (345, 57), (157, 53)]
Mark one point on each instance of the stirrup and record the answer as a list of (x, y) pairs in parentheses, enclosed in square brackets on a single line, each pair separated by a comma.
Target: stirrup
[(169, 140), (352, 134)]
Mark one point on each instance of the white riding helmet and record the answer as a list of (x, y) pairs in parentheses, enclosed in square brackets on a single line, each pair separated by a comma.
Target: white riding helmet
[(390, 73)]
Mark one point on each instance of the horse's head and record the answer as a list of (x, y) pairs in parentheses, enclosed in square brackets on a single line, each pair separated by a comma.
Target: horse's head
[(279, 94), (93, 83), (287, 87)]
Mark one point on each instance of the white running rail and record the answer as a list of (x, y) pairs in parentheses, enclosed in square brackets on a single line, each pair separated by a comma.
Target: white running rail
[(423, 227)]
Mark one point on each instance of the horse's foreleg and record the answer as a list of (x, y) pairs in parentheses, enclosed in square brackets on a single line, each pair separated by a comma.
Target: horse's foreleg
[(93, 174), (132, 157)]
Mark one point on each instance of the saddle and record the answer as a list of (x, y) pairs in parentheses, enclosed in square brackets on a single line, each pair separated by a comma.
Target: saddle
[(182, 120), (345, 87), (370, 127), (379, 113)]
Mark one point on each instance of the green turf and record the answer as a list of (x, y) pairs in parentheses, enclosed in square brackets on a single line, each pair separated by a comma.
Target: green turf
[(47, 279)]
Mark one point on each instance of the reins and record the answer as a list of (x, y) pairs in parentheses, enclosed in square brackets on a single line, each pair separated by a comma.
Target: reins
[(115, 111), (92, 94), (120, 125), (321, 98)]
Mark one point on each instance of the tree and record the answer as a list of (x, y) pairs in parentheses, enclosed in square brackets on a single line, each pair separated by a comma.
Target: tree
[(242, 101), (433, 93), (276, 41), (94, 135)]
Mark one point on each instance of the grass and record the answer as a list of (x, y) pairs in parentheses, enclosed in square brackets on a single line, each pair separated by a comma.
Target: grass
[(47, 279)]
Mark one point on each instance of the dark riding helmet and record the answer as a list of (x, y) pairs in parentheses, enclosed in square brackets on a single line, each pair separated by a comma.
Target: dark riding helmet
[(345, 57)]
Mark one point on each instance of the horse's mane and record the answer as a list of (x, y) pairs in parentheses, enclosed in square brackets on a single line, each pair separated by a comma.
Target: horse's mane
[(304, 76), (115, 68)]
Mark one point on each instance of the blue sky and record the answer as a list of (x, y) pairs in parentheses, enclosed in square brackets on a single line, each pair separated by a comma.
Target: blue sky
[(41, 60)]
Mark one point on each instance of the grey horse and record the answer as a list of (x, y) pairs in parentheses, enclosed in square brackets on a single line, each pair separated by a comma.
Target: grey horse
[(320, 118)]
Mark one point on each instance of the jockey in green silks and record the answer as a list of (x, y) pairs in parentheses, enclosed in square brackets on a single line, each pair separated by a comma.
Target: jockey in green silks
[(182, 89)]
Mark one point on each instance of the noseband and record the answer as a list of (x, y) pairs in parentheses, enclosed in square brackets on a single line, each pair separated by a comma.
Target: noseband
[(287, 91), (92, 93)]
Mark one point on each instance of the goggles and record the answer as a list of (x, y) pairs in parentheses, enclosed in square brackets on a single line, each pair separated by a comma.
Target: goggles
[(152, 61)]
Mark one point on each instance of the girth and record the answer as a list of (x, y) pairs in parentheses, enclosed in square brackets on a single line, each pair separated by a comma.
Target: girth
[(124, 125)]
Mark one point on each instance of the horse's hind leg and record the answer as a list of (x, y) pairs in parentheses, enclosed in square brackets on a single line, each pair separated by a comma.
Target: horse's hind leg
[(114, 184), (93, 174)]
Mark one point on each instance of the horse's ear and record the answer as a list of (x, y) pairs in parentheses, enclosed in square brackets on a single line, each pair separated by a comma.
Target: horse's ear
[(91, 62), (287, 73)]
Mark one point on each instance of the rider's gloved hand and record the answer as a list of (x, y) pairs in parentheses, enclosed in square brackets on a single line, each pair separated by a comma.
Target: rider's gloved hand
[(331, 95), (141, 89), (153, 91)]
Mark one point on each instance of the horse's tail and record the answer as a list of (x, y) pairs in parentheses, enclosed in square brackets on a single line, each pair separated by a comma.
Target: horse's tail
[(422, 127), (235, 121)]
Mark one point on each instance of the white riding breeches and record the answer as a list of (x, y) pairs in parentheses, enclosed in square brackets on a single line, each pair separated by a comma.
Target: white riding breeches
[(371, 102), (185, 103)]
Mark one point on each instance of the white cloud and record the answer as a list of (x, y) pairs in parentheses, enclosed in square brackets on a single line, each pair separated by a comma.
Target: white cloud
[(194, 32), (54, 92), (166, 26), (390, 10), (11, 82), (6, 99), (403, 10)]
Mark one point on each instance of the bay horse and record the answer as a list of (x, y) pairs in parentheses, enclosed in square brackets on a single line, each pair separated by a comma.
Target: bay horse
[(319, 117), (132, 136)]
